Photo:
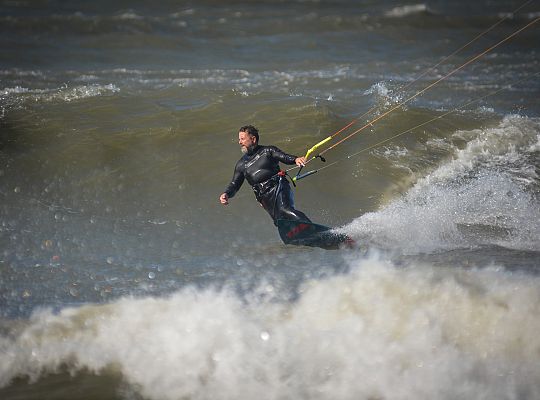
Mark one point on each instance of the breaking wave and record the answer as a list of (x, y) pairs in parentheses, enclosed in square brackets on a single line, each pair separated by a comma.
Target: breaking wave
[(377, 332), (486, 194)]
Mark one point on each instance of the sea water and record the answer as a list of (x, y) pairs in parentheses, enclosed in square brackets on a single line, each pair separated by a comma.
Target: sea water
[(121, 275)]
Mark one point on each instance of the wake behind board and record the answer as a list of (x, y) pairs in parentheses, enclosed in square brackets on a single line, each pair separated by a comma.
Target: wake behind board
[(308, 234)]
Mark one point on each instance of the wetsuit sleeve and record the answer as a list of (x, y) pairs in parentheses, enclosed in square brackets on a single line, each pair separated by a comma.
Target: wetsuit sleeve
[(281, 156), (237, 180)]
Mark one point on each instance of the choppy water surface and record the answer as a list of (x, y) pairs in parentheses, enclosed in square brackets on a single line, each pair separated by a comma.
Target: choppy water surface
[(121, 276)]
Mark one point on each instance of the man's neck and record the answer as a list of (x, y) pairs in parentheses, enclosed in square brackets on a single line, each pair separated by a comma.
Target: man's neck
[(252, 149)]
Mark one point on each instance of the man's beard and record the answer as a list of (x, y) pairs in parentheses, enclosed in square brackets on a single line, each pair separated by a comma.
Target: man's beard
[(245, 149)]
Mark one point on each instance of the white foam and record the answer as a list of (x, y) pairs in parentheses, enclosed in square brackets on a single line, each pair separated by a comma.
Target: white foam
[(64, 93), (507, 143), (484, 195), (384, 96), (21, 73), (404, 11), (377, 332), (129, 15), (14, 90)]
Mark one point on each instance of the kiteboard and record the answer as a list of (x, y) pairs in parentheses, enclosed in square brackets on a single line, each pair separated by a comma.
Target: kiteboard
[(308, 234)]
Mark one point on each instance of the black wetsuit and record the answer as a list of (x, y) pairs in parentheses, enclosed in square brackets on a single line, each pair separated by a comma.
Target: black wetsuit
[(260, 167)]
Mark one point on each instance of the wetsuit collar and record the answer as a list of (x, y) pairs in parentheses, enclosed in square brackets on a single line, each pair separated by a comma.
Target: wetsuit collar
[(253, 149)]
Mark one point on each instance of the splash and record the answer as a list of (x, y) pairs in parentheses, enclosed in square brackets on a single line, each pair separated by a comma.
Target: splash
[(384, 97), (485, 195), (377, 332)]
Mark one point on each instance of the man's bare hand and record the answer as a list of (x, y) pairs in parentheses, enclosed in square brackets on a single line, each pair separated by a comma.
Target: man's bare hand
[(224, 199), (300, 161)]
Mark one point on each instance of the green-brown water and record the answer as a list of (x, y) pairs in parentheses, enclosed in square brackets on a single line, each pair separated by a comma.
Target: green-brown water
[(121, 275)]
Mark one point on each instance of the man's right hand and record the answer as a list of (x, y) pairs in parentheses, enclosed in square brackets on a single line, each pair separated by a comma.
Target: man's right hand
[(224, 199)]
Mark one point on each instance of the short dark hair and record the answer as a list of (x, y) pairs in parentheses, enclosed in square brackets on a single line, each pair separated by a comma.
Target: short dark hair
[(251, 130)]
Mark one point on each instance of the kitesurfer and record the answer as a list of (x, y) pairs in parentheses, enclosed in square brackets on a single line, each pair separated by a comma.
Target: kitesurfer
[(260, 167)]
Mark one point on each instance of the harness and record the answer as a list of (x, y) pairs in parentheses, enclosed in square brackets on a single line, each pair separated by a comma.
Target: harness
[(264, 187)]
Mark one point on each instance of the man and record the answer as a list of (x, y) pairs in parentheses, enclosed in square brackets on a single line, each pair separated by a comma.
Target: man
[(260, 167)]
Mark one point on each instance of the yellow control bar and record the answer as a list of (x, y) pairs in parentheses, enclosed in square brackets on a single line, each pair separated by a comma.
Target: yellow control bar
[(322, 142)]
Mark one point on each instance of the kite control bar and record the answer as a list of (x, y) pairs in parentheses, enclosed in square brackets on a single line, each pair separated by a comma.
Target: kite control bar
[(308, 154)]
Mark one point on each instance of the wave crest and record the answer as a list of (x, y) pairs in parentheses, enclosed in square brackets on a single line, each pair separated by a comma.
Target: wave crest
[(425, 330)]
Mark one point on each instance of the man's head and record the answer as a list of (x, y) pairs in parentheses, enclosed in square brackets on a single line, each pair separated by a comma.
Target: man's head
[(248, 138)]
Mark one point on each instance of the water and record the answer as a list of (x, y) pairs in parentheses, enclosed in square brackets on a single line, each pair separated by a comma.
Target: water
[(121, 275)]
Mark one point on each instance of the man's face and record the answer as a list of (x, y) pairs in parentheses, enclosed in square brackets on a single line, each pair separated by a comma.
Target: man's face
[(246, 141)]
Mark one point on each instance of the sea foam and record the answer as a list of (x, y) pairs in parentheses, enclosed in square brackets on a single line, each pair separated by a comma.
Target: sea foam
[(484, 195), (379, 331)]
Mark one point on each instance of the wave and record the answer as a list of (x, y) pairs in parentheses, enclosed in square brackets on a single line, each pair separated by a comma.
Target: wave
[(11, 96), (521, 16), (486, 194), (97, 82), (210, 21), (80, 23), (407, 10), (415, 332)]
